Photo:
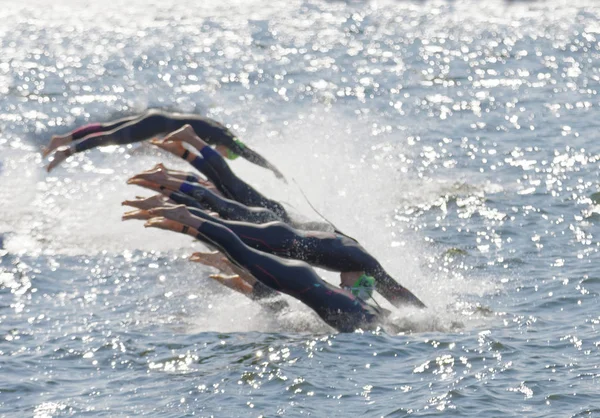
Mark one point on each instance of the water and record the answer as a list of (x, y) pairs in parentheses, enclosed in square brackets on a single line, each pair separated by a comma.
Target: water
[(456, 140)]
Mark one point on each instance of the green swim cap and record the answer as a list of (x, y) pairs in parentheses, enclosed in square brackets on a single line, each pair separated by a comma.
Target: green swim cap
[(232, 155), (363, 287)]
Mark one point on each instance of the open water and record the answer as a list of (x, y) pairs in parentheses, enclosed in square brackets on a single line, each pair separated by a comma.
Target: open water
[(457, 140)]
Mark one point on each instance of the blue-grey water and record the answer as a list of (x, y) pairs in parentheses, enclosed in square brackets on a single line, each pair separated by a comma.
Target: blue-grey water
[(457, 140)]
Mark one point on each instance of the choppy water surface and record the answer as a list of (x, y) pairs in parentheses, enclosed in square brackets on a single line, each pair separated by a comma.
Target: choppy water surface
[(456, 140)]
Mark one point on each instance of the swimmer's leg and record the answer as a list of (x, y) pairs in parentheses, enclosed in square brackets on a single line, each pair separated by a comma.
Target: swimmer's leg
[(176, 147), (237, 188), (60, 140), (241, 281), (145, 127), (226, 208)]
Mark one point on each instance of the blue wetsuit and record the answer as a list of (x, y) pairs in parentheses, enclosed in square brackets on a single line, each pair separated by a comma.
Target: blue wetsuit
[(155, 122), (226, 208), (216, 169)]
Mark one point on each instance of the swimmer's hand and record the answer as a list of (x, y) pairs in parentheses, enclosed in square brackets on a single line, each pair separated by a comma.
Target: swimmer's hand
[(155, 201)]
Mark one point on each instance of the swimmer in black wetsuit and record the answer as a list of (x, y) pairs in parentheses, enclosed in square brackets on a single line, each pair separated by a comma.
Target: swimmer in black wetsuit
[(326, 250), (215, 168), (203, 197), (338, 308), (152, 123), (205, 194)]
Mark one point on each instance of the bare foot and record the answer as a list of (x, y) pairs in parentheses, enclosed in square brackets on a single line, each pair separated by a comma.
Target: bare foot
[(174, 147), (233, 282), (148, 202), (177, 213), (157, 174), (149, 185), (185, 133), (164, 223), (59, 156), (55, 142), (214, 259), (140, 214)]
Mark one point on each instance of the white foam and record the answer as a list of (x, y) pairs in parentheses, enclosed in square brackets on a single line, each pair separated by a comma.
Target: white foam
[(352, 178)]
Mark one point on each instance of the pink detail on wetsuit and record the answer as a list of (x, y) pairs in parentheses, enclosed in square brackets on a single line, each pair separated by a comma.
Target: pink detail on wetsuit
[(269, 274), (87, 129)]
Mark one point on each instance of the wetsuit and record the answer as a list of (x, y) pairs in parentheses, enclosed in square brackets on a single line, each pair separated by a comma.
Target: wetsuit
[(216, 169), (226, 208), (337, 308), (236, 211), (321, 249), (155, 122)]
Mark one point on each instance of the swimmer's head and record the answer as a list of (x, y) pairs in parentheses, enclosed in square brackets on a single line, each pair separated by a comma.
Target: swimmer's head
[(358, 283), (232, 155), (363, 287)]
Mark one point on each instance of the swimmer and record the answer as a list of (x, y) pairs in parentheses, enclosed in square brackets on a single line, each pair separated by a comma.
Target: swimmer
[(158, 179), (326, 250), (215, 168), (203, 198), (340, 309), (145, 126)]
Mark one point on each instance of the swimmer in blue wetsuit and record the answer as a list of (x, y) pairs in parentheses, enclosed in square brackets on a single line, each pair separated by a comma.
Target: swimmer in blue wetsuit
[(211, 197), (202, 197), (150, 124), (215, 168), (326, 250), (340, 309)]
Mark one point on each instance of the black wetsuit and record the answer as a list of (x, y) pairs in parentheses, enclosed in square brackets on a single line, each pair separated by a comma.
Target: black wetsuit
[(226, 208), (326, 250), (337, 308), (234, 210), (156, 122), (216, 169)]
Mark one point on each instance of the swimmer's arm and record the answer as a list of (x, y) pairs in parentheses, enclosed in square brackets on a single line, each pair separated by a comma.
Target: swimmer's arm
[(256, 158)]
